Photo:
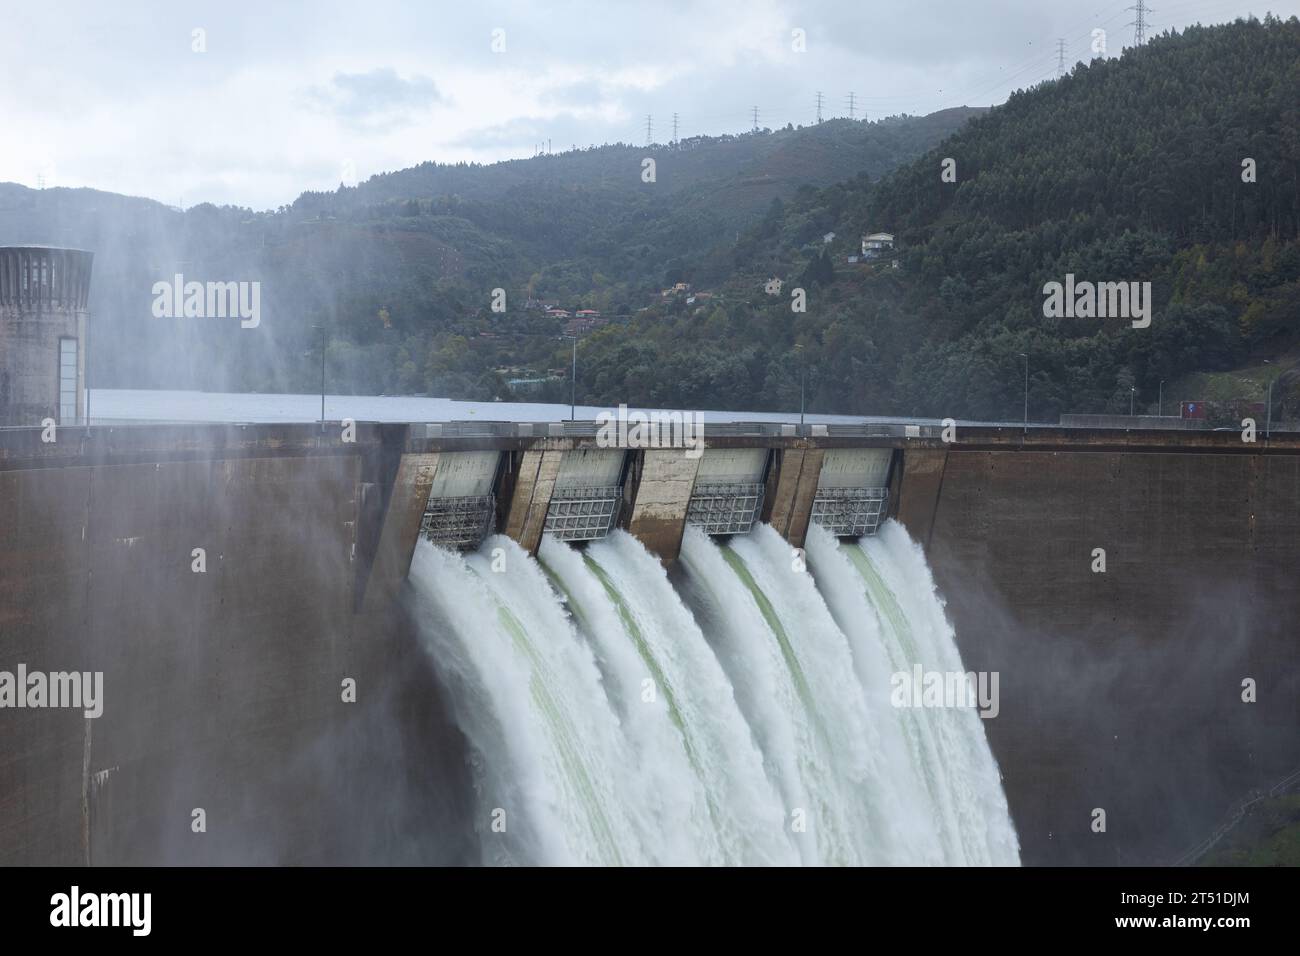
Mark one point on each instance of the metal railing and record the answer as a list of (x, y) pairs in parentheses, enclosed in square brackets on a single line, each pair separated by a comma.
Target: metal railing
[(1238, 810), (590, 429)]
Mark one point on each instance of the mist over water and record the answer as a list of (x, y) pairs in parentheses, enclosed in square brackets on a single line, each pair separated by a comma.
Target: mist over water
[(736, 713)]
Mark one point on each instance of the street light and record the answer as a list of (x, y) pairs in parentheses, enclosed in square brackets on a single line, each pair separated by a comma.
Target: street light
[(1025, 356), (1160, 407), (86, 372), (1268, 421), (1132, 396), (573, 381), (321, 327), (803, 378)]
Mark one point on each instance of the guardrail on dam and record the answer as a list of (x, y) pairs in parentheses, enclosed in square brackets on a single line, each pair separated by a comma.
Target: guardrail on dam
[(222, 685)]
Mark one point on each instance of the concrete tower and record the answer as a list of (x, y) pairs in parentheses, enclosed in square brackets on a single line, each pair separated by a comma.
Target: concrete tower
[(43, 314)]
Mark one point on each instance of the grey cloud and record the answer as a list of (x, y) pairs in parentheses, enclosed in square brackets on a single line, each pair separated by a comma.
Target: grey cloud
[(379, 99), (581, 93)]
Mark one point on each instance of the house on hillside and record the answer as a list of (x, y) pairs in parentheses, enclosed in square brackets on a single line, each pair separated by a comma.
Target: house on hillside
[(878, 245), (586, 320), (558, 313)]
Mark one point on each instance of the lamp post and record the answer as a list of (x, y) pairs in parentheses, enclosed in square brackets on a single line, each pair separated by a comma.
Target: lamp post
[(1268, 414), (573, 381), (1132, 396), (1160, 407), (86, 383), (803, 379), (1025, 356), (321, 328)]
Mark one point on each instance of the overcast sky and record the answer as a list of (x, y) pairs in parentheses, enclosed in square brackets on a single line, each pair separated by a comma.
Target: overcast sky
[(287, 96)]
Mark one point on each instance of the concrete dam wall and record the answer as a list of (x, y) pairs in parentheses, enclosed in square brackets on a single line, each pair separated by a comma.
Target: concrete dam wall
[(222, 687), (1123, 690), (226, 687)]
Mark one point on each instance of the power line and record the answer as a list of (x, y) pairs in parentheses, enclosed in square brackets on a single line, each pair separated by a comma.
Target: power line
[(1009, 74), (1139, 24), (1041, 65), (1004, 76)]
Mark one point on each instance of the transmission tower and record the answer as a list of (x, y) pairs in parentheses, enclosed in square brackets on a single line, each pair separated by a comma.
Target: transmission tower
[(649, 130), (1139, 23), (674, 127), (755, 119), (1060, 57), (819, 106), (850, 106)]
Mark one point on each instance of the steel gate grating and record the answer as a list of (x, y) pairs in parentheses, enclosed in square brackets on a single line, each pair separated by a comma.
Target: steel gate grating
[(725, 508), (850, 512), (460, 524), (583, 514)]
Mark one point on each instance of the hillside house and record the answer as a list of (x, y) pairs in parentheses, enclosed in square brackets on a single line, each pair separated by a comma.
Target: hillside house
[(877, 245), (585, 321)]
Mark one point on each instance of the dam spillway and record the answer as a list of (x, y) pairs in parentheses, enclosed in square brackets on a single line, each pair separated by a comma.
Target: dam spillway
[(616, 719), (1119, 689)]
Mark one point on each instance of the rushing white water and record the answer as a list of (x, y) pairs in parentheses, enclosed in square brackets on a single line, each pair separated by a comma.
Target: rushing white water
[(793, 674), (677, 704), (882, 594), (553, 776), (740, 717)]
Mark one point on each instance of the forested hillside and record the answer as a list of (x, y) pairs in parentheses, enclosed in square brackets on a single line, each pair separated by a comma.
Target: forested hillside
[(400, 269), (1128, 169)]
